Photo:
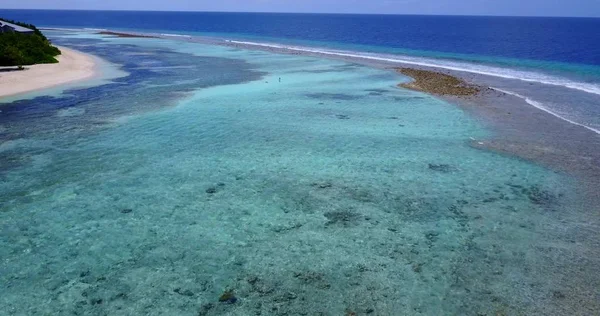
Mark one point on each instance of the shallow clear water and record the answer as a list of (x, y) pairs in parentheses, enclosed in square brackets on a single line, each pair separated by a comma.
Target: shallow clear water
[(305, 186)]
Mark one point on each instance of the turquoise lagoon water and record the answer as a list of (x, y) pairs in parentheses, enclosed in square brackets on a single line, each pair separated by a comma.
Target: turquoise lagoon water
[(568, 91), (304, 186)]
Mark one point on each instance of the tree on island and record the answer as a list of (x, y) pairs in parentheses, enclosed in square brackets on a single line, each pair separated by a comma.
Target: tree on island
[(19, 49), (14, 55)]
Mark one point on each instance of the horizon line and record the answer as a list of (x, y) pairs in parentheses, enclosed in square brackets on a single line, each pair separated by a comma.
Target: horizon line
[(330, 13)]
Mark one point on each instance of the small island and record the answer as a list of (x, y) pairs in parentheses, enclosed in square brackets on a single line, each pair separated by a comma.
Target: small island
[(23, 44), (47, 66), (438, 83)]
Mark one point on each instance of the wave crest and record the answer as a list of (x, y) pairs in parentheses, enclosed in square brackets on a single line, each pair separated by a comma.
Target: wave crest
[(540, 106), (506, 73)]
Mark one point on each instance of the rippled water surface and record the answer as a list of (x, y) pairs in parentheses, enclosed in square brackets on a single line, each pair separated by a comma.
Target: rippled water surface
[(216, 181)]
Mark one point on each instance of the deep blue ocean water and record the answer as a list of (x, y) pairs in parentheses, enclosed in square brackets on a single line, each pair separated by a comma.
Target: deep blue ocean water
[(569, 40)]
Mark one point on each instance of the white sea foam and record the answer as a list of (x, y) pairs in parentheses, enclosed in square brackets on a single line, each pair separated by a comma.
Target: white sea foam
[(61, 29), (540, 106), (507, 73), (175, 35), (456, 66)]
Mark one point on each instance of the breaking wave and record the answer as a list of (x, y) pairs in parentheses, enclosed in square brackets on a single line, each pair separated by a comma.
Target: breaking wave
[(507, 73), (540, 106)]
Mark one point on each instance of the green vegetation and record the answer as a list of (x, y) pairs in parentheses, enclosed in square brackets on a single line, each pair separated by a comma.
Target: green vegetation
[(18, 49)]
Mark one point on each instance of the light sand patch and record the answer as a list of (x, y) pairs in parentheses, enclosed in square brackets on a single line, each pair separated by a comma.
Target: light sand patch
[(72, 66)]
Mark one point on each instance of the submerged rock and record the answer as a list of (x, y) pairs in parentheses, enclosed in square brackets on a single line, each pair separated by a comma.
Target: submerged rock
[(228, 297), (281, 228), (539, 196), (211, 190), (535, 194), (322, 185), (215, 189), (361, 195), (342, 117), (344, 218), (259, 286), (432, 237), (417, 267), (285, 297), (205, 309), (96, 301), (440, 167), (126, 211), (490, 200), (313, 278), (183, 292)]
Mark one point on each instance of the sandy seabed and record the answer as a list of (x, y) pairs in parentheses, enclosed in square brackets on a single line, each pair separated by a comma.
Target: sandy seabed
[(331, 192)]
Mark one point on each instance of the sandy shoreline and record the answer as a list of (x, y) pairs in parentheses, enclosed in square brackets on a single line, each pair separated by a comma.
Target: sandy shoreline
[(73, 66)]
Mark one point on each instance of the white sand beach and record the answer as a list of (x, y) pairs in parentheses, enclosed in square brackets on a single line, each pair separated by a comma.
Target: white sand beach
[(73, 66)]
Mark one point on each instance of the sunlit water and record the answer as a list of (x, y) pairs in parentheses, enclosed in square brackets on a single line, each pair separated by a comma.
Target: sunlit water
[(305, 186)]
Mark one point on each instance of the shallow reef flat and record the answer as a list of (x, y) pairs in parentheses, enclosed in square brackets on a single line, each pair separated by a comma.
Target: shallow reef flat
[(437, 83), (275, 185)]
